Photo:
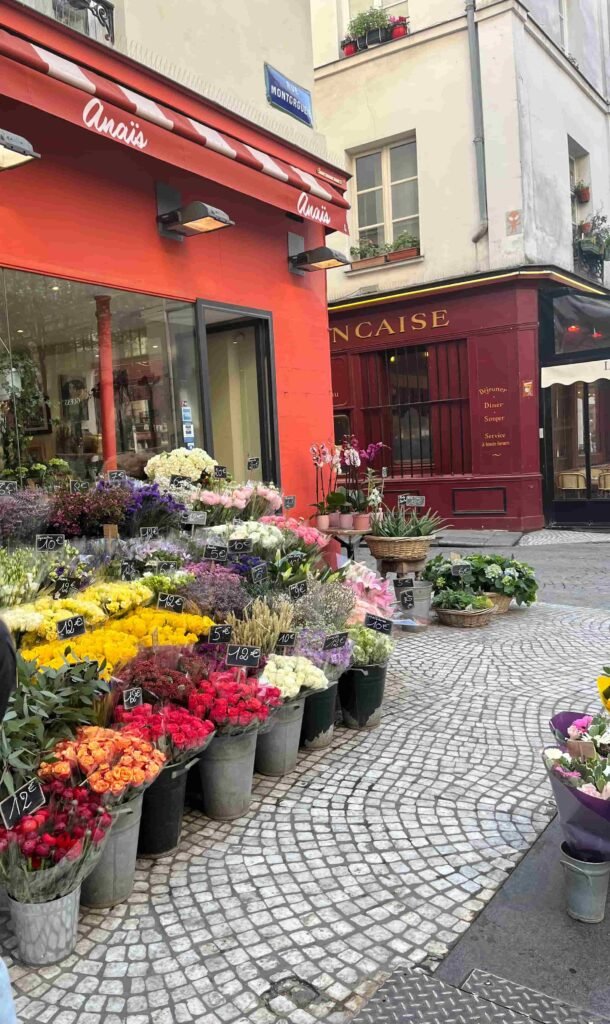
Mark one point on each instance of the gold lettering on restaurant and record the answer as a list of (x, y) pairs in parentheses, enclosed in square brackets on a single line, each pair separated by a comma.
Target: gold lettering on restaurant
[(434, 320), (492, 414)]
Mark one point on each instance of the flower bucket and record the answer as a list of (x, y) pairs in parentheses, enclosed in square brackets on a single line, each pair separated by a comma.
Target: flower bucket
[(361, 696), (502, 602), (111, 880), (226, 769), (464, 619), (586, 886), (278, 748), (46, 932), (319, 719), (162, 811)]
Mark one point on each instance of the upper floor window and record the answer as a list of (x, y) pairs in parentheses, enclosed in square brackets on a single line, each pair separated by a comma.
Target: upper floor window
[(398, 8), (387, 195), (93, 18)]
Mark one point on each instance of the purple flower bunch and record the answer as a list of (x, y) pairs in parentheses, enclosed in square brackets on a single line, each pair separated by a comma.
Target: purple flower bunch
[(24, 514), (245, 564), (310, 644), (148, 505), (216, 593)]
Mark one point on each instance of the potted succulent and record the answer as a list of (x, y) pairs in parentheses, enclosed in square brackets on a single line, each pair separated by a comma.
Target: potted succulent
[(361, 687), (372, 26), (582, 192), (367, 253), (398, 535), (405, 247), (295, 678), (463, 608), (399, 26)]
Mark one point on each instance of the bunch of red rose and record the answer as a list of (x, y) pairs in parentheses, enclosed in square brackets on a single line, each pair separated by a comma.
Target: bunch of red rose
[(161, 672), (175, 731), (232, 702)]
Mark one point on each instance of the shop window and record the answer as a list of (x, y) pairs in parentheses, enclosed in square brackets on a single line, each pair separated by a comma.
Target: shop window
[(387, 198), (415, 400), (57, 340), (343, 427), (236, 420), (580, 324)]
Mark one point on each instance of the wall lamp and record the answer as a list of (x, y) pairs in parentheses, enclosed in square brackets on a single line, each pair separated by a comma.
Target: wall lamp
[(179, 222), (321, 258), (14, 150)]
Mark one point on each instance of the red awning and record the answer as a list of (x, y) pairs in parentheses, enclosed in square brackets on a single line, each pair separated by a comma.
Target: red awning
[(107, 108)]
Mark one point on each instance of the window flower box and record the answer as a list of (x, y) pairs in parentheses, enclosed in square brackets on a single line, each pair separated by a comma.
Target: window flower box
[(374, 36), (368, 261)]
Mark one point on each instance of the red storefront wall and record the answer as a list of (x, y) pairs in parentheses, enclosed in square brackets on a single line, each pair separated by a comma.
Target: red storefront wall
[(496, 328)]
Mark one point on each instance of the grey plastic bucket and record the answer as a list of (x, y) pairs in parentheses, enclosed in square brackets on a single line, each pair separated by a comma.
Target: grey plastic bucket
[(277, 749), (111, 880), (226, 768), (586, 887), (46, 932)]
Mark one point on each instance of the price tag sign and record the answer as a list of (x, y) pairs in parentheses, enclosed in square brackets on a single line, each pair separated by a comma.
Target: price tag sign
[(63, 586), (50, 541), (297, 590), (180, 481), (78, 486), (25, 800), (147, 532), (295, 557), (166, 567), (220, 634), (289, 502), (220, 472), (407, 599), (215, 552), (253, 462), (461, 569), (194, 518), (403, 583), (8, 487), (259, 573), (335, 641), (240, 547), (377, 623), (67, 629), (170, 603), (384, 472), (116, 475), (411, 500), (242, 656), (284, 641), (133, 698)]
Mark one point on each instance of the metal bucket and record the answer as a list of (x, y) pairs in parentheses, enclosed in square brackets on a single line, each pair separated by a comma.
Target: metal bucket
[(319, 719), (46, 932), (586, 887), (277, 749), (361, 695), (162, 811), (226, 768), (111, 880)]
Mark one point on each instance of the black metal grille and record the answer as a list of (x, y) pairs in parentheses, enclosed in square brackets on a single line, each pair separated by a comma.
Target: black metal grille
[(415, 400)]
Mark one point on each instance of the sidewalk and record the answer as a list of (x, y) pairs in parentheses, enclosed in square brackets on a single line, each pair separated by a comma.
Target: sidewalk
[(377, 853)]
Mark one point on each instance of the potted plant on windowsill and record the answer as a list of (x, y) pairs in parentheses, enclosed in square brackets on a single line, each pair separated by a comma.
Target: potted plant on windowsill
[(399, 26), (597, 240), (582, 192), (349, 47), (463, 608), (368, 254), (405, 247), (397, 535), (372, 26)]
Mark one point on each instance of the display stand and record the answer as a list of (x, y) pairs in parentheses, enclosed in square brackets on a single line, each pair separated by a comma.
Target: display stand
[(348, 539), (400, 566)]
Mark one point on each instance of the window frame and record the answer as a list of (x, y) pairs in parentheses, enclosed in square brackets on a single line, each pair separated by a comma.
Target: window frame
[(562, 9), (386, 191)]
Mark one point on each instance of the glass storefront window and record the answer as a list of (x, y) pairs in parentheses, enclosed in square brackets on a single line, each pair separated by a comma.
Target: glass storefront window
[(580, 324), (234, 397)]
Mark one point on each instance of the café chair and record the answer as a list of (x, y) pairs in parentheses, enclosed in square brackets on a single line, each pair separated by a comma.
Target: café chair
[(575, 482), (603, 484)]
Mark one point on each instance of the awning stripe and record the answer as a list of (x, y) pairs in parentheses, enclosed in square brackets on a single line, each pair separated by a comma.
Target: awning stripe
[(94, 84)]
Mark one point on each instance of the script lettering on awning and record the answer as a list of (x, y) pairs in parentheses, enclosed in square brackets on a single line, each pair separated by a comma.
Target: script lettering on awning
[(313, 210), (94, 116)]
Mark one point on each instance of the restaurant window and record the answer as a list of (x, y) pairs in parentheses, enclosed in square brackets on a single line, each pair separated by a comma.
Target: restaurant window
[(387, 198), (415, 400)]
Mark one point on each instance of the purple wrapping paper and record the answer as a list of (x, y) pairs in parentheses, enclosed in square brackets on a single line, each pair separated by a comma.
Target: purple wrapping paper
[(585, 821)]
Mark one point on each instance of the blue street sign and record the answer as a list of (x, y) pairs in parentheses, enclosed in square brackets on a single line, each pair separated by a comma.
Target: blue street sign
[(288, 96)]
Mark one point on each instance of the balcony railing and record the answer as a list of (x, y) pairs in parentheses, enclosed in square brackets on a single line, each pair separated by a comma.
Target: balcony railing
[(94, 18)]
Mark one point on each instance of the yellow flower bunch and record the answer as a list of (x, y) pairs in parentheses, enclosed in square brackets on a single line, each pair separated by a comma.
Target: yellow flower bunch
[(118, 598), (603, 686), (42, 617)]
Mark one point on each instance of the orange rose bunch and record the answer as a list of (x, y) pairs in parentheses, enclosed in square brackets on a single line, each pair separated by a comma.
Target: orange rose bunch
[(113, 764)]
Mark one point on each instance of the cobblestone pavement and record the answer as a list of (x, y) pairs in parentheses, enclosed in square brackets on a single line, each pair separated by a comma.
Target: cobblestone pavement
[(373, 854), (545, 537)]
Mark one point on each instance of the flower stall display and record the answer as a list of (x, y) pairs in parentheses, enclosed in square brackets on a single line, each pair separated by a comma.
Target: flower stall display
[(215, 590), (331, 652), (295, 678), (182, 737), (162, 672), (463, 608), (502, 579), (265, 539), (194, 464), (362, 686), (22, 573), (397, 534), (373, 594), (261, 625)]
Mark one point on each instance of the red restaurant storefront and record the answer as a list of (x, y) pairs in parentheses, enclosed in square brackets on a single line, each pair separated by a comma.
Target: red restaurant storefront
[(449, 378), (121, 340)]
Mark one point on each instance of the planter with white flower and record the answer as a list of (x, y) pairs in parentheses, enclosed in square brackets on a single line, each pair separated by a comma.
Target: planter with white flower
[(500, 578), (296, 678), (463, 608), (361, 688)]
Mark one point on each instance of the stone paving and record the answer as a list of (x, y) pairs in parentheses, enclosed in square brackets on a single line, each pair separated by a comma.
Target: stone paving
[(563, 537), (372, 855)]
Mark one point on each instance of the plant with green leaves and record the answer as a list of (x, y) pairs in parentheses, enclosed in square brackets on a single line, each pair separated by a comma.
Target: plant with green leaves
[(374, 17), (395, 522), (405, 240), (48, 705), (367, 248), (488, 573), (370, 647), (462, 601)]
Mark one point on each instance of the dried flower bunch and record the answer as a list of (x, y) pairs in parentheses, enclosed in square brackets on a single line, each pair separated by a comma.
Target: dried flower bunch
[(261, 625), (326, 606)]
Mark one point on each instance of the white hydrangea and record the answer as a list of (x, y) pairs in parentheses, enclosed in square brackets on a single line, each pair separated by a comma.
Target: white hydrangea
[(180, 462), (293, 673), (262, 535)]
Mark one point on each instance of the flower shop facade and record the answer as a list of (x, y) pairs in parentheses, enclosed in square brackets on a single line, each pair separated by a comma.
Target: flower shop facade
[(449, 378), (120, 335)]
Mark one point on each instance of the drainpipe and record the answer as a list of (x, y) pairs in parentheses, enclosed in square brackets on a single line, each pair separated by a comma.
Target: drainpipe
[(477, 111)]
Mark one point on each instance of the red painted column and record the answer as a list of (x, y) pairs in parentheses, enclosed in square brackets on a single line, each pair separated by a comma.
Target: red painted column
[(107, 410)]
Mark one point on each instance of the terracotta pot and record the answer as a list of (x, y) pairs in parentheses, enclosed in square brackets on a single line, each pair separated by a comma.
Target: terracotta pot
[(585, 227), (334, 520), (369, 261), (346, 521), (323, 522), (398, 31), (362, 521), (583, 195), (402, 254)]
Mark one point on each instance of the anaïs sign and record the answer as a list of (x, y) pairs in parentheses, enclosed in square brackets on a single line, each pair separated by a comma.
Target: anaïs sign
[(309, 207), (129, 132)]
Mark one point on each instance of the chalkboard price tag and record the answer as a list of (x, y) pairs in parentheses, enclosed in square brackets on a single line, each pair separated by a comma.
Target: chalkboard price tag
[(384, 472), (50, 541), (242, 656), (194, 518), (297, 590), (170, 603), (180, 481), (284, 641), (67, 629), (133, 698), (403, 583), (8, 487), (407, 599), (295, 557), (377, 623), (335, 641), (215, 552), (78, 486), (411, 500), (166, 567), (116, 475), (220, 634), (289, 502), (25, 800), (253, 462), (63, 586), (220, 472), (461, 569), (242, 546), (259, 573), (148, 532)]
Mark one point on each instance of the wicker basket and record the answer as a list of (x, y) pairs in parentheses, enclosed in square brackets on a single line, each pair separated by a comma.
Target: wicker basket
[(465, 619), (409, 549), (501, 602)]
